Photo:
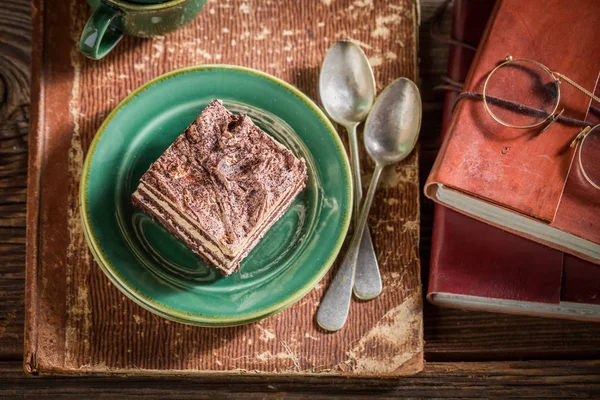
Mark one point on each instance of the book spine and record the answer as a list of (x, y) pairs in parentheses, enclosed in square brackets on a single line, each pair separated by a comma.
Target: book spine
[(33, 187)]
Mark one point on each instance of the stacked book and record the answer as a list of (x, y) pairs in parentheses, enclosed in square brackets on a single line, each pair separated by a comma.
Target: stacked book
[(519, 229)]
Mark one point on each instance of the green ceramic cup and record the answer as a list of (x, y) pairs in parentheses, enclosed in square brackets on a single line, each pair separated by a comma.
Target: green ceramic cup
[(112, 19)]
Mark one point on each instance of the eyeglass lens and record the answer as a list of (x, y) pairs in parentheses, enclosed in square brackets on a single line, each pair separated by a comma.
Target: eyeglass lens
[(589, 156), (521, 93)]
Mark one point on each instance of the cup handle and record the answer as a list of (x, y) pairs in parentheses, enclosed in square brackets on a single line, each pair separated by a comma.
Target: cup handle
[(102, 32)]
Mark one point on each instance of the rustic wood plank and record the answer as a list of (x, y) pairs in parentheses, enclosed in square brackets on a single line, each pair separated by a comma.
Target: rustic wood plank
[(15, 24), (526, 380), (465, 335), (450, 334)]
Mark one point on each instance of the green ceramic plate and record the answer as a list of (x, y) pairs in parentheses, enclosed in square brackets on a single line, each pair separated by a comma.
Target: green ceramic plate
[(159, 272)]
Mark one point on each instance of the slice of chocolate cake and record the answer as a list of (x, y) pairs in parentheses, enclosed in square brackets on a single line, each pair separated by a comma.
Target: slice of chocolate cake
[(221, 186)]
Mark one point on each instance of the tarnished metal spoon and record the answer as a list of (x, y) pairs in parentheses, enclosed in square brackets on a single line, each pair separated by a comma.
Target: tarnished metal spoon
[(391, 133), (347, 90)]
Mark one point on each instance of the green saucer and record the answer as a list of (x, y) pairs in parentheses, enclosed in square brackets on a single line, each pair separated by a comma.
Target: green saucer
[(158, 271)]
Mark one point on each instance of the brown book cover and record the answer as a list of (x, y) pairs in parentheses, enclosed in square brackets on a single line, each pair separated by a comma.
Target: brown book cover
[(477, 266), (520, 180), (77, 322)]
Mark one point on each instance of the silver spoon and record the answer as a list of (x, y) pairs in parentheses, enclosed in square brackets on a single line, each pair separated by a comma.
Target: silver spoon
[(347, 89), (391, 133)]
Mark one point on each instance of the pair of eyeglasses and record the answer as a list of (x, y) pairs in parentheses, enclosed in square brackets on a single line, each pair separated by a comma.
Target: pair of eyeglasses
[(524, 94)]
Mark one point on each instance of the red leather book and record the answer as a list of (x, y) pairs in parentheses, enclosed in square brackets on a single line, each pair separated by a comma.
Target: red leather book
[(477, 266), (521, 180)]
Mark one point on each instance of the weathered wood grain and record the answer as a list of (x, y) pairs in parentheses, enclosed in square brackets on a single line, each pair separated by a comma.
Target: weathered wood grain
[(447, 380), (15, 24), (481, 336)]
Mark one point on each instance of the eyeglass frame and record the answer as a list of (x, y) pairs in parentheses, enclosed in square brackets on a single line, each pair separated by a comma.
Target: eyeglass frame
[(581, 136), (508, 60), (556, 76)]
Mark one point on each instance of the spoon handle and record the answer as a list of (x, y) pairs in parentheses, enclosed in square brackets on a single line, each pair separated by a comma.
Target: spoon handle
[(367, 280), (334, 307), (367, 283), (355, 167)]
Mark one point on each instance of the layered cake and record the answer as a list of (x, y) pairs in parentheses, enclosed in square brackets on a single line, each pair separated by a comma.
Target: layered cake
[(221, 186)]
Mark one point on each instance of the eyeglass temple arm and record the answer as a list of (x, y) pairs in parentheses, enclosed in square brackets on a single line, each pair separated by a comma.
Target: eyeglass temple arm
[(577, 86), (552, 120)]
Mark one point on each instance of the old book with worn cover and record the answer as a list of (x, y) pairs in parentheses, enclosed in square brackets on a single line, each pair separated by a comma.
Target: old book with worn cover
[(77, 322), (477, 266), (521, 181), (480, 267)]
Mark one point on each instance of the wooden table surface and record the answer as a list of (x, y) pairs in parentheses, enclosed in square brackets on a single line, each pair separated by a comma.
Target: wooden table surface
[(469, 354)]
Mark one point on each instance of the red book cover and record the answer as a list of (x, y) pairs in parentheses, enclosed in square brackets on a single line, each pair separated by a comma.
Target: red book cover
[(521, 180), (477, 266)]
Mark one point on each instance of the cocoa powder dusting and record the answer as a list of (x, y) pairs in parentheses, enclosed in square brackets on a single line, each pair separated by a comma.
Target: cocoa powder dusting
[(225, 173)]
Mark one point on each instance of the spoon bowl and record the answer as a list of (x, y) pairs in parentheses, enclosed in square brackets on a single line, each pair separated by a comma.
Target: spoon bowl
[(346, 83), (392, 128)]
